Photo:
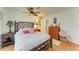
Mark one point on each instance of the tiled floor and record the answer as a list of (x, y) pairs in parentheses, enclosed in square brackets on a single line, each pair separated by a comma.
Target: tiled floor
[(64, 46)]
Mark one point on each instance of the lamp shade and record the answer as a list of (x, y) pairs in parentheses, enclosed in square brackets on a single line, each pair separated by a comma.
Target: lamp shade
[(10, 23)]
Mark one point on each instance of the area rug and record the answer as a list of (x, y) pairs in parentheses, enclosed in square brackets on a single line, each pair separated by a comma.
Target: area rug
[(56, 42)]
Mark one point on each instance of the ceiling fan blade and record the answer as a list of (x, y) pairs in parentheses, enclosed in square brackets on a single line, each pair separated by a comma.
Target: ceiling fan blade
[(30, 9), (35, 14)]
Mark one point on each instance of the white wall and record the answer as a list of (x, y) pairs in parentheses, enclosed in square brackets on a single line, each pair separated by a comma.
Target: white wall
[(0, 27), (13, 15), (1, 24), (69, 21), (1, 20)]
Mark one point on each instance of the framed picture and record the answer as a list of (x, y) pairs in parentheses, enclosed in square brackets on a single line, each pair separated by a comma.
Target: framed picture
[(55, 20)]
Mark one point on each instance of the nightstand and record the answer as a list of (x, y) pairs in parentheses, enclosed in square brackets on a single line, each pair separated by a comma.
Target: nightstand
[(7, 38)]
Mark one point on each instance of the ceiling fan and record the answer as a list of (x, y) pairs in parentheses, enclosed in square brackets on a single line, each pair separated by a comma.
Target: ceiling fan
[(33, 10)]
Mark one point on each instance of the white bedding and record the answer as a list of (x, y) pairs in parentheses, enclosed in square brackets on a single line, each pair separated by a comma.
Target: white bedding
[(26, 42)]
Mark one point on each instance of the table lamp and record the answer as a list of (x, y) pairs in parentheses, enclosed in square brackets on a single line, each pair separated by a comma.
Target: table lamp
[(10, 23)]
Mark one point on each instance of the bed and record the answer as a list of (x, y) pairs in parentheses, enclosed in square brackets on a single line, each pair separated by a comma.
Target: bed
[(38, 41)]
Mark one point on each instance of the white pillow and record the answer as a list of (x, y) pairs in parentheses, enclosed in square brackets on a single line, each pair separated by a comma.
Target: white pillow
[(32, 30), (20, 31)]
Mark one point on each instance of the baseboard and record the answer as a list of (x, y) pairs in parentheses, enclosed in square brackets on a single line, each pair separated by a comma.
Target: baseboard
[(75, 42)]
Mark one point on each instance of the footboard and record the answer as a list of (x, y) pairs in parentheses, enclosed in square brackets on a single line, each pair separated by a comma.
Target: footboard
[(43, 46)]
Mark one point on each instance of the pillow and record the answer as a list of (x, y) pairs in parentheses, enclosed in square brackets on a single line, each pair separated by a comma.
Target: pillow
[(25, 31), (20, 31), (32, 30)]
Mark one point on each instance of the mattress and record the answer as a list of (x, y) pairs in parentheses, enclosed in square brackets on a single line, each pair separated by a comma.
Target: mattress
[(25, 42)]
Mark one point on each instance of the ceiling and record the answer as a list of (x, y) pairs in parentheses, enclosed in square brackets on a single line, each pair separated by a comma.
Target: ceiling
[(53, 10), (45, 10)]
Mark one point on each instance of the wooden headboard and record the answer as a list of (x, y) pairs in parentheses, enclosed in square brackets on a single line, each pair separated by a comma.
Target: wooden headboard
[(21, 25)]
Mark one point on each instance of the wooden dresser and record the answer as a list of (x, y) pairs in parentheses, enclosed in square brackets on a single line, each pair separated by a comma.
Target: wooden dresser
[(54, 32)]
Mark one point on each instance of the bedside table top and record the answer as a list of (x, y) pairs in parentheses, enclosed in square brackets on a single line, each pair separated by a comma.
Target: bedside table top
[(7, 34)]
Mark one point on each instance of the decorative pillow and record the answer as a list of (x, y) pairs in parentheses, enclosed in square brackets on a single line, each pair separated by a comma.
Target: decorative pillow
[(25, 31), (32, 30)]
